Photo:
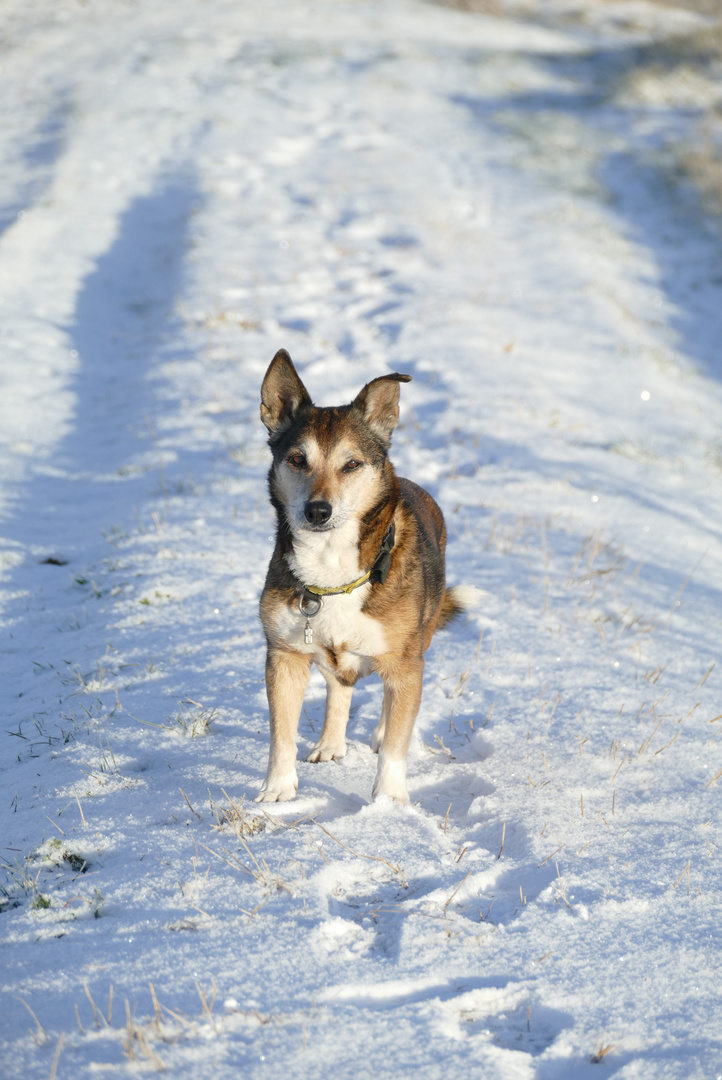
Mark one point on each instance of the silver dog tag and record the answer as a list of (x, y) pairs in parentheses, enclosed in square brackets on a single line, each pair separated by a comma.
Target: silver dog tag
[(309, 606)]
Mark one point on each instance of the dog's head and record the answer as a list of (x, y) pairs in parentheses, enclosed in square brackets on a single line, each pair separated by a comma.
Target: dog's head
[(330, 465)]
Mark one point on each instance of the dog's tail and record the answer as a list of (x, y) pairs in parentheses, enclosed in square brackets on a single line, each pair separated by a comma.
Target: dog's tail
[(457, 600)]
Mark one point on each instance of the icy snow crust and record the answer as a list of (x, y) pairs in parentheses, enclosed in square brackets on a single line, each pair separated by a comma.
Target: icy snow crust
[(187, 187)]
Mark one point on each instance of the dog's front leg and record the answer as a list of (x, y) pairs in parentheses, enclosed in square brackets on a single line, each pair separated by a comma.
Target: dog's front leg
[(286, 679), (402, 697), (332, 743)]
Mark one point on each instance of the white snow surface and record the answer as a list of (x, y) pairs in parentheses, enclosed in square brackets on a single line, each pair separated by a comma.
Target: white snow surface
[(376, 186)]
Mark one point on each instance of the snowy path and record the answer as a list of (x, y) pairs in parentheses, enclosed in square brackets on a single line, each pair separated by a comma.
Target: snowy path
[(186, 188)]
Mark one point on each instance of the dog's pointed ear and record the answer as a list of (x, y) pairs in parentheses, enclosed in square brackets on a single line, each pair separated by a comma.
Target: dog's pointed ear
[(283, 394), (378, 403)]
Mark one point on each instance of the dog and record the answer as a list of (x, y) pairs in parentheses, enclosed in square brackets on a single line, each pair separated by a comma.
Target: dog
[(356, 583)]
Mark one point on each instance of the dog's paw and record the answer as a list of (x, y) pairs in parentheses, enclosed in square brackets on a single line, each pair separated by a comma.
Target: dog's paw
[(327, 751), (276, 795), (391, 780), (278, 790)]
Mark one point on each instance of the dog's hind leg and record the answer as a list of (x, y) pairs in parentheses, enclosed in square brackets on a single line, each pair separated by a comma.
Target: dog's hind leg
[(380, 730), (286, 679), (403, 686), (332, 743)]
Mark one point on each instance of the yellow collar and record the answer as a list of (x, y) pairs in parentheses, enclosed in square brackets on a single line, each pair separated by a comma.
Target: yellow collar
[(316, 590)]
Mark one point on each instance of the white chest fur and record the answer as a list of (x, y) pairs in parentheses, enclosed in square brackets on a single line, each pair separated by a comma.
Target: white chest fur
[(327, 559), (330, 560), (340, 625)]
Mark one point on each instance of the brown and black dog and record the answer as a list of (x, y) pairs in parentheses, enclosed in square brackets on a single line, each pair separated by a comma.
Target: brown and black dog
[(356, 582)]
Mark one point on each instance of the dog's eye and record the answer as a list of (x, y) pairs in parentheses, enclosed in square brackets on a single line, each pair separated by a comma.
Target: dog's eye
[(297, 460), (351, 465)]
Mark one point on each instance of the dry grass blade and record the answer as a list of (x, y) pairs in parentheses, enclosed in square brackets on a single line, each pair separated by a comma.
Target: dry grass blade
[(687, 872), (40, 1034), (666, 745), (318, 849), (556, 852), (645, 745), (129, 1032), (206, 1007), (200, 910), (262, 873), (56, 1056), (231, 861), (134, 1035), (601, 1054), (250, 853), (147, 1050), (97, 1015), (64, 834), (156, 1006), (560, 888), (189, 804), (249, 823), (78, 1021), (258, 907), (616, 771), (491, 657), (447, 902), (443, 746), (242, 823), (183, 1020), (706, 676), (357, 854), (503, 835)]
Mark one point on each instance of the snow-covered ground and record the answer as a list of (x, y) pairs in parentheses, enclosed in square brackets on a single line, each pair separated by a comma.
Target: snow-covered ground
[(375, 185)]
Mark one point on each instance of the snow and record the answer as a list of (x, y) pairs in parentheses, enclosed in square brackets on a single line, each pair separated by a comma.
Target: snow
[(375, 186)]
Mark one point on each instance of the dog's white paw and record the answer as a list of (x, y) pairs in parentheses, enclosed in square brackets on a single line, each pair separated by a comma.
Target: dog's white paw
[(391, 780), (278, 789), (378, 736), (327, 751)]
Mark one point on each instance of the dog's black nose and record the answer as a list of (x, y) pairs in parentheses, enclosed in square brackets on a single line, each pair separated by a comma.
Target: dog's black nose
[(318, 512)]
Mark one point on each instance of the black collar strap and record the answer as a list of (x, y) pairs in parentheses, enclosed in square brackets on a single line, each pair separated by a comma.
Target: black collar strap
[(378, 572), (380, 569)]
